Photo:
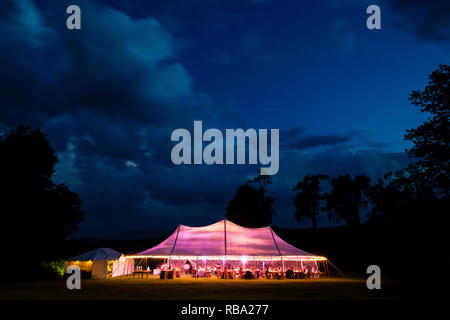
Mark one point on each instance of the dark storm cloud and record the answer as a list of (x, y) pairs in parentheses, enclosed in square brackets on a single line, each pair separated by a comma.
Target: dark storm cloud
[(311, 141), (429, 20), (297, 138), (111, 88), (110, 94), (115, 65)]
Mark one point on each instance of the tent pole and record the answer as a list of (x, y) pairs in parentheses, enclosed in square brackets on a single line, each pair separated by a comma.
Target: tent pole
[(317, 267), (225, 245)]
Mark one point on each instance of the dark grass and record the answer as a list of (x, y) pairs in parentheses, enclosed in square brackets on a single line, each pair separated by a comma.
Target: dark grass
[(204, 289)]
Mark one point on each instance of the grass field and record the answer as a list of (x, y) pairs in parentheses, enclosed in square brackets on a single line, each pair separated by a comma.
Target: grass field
[(210, 289)]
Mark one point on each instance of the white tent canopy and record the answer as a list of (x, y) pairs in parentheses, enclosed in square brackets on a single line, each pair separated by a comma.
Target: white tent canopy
[(100, 260), (98, 255)]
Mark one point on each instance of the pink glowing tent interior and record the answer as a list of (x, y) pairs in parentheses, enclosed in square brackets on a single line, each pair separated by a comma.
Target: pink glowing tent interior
[(225, 240)]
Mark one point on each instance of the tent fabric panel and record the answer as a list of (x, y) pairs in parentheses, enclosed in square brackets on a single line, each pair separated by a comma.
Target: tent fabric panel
[(243, 241), (287, 249), (200, 241), (122, 268), (162, 249), (83, 265), (99, 269)]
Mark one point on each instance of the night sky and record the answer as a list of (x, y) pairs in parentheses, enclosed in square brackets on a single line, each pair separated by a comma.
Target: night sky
[(109, 95)]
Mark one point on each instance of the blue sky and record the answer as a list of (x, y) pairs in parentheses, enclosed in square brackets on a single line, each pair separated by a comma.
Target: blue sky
[(110, 94)]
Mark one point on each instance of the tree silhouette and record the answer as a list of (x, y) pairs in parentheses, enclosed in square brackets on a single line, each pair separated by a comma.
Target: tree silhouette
[(250, 206), (308, 199), (400, 199), (419, 194), (414, 203), (37, 215), (346, 198), (432, 138)]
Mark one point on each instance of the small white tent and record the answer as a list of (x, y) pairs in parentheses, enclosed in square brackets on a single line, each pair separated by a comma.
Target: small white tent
[(100, 262)]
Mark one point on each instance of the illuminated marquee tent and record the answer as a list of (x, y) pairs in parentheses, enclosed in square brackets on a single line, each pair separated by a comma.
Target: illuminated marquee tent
[(226, 242)]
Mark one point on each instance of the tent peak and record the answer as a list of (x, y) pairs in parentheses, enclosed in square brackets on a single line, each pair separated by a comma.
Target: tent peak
[(223, 221), (97, 254)]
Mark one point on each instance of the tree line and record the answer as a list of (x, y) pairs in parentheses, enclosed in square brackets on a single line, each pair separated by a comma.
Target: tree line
[(397, 197), (251, 207)]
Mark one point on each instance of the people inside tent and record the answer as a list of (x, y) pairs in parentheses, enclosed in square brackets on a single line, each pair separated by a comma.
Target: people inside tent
[(170, 269), (187, 268)]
